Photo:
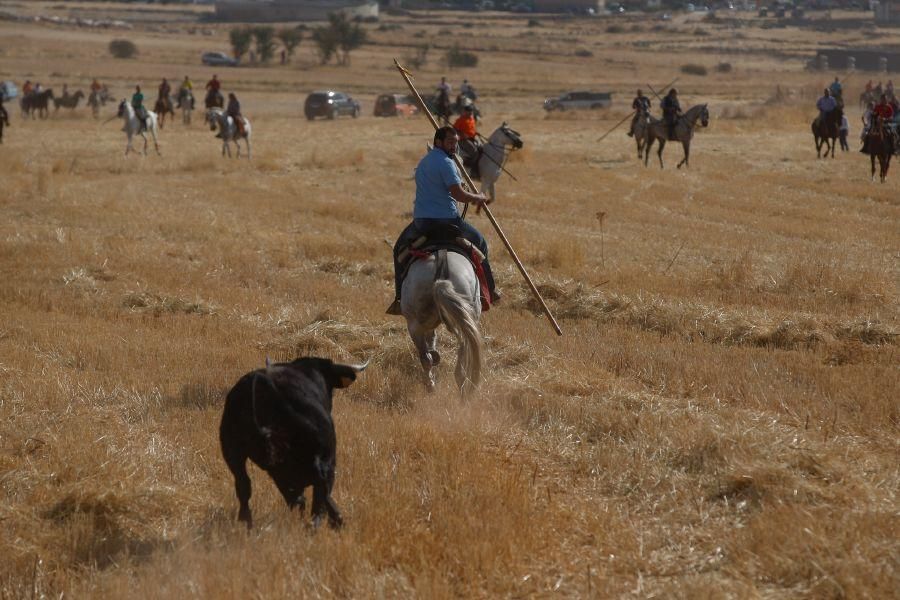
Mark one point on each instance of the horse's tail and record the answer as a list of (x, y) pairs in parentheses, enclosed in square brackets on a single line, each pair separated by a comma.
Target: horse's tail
[(456, 315)]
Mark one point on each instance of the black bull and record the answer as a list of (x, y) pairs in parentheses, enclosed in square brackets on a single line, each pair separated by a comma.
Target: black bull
[(280, 418)]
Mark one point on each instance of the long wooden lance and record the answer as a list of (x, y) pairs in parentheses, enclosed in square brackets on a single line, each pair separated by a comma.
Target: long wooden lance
[(662, 90), (468, 180), (616, 126)]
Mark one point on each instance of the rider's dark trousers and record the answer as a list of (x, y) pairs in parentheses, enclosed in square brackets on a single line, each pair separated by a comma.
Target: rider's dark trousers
[(415, 229)]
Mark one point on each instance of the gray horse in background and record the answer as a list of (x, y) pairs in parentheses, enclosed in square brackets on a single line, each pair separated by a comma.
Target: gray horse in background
[(444, 289), (684, 131), (495, 149)]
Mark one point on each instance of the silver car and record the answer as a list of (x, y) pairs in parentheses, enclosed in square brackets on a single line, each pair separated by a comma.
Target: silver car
[(218, 59), (8, 91)]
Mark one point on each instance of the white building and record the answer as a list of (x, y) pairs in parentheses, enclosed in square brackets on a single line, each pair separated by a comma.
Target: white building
[(292, 10)]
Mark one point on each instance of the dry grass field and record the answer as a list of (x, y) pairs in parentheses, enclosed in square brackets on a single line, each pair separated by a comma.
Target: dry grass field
[(720, 419)]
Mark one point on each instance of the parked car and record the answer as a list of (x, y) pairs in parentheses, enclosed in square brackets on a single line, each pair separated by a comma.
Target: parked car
[(395, 105), (330, 104), (8, 90), (218, 59), (577, 100)]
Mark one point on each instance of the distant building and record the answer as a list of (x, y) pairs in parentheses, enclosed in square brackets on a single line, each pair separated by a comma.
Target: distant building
[(569, 6), (292, 10), (886, 11), (861, 59)]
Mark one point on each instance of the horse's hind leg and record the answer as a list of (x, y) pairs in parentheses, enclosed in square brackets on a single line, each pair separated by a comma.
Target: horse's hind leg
[(425, 343), (662, 144)]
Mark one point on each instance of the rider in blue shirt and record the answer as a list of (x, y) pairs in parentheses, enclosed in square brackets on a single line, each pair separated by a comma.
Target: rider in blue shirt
[(825, 104), (438, 189), (836, 89)]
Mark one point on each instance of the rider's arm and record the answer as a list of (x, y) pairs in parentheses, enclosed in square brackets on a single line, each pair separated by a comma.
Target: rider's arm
[(461, 195)]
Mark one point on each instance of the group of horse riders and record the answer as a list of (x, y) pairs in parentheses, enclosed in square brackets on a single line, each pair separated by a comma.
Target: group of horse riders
[(185, 94), (671, 110), (885, 112)]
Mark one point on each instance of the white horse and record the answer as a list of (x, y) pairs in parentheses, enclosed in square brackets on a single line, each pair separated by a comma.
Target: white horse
[(493, 155), (133, 126), (187, 105), (228, 130), (444, 289)]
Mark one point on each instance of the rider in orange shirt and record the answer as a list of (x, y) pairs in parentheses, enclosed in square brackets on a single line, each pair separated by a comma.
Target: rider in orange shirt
[(467, 130)]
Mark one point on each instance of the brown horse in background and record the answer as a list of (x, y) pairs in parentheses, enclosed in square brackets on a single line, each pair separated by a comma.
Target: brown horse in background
[(880, 143), (163, 107), (825, 129), (68, 101), (37, 102)]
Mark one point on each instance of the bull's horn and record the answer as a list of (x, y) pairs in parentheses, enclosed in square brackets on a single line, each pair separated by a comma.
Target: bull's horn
[(360, 368)]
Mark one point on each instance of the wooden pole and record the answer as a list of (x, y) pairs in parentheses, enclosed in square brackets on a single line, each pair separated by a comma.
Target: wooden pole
[(616, 126), (487, 211)]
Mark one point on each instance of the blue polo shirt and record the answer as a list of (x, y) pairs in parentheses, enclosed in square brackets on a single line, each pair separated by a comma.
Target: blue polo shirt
[(435, 175)]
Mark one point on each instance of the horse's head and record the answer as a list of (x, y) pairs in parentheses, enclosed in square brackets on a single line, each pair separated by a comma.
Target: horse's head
[(704, 116), (211, 117), (123, 110), (512, 135)]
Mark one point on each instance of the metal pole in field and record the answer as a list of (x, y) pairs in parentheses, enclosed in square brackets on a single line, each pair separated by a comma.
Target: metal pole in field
[(406, 77)]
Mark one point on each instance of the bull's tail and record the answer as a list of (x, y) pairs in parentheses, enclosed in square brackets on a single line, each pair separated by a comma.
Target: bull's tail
[(456, 315)]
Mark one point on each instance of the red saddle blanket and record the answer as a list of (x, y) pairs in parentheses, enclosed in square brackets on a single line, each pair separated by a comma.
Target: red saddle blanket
[(475, 258)]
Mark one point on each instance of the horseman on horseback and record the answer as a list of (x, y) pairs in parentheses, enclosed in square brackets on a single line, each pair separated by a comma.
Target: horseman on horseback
[(837, 91), (186, 90), (641, 107), (234, 111), (882, 115), (213, 95), (826, 104), (137, 103), (469, 146), (671, 111), (438, 189), (164, 90)]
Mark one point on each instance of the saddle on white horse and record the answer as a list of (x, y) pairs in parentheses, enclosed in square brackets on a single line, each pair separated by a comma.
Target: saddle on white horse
[(446, 238)]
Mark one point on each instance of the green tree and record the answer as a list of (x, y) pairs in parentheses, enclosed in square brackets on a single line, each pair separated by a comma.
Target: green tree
[(241, 37), (340, 37), (265, 42), (326, 43), (351, 37), (290, 39)]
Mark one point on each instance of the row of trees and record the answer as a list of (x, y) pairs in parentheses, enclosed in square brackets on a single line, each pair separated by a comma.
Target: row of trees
[(264, 36), (337, 40)]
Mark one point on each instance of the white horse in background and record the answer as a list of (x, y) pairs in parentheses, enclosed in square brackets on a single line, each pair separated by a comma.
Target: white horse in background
[(133, 126), (444, 289), (187, 105), (494, 151), (228, 130)]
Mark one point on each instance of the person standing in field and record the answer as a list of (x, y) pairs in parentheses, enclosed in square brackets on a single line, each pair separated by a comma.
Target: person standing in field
[(843, 132)]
